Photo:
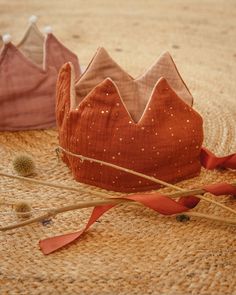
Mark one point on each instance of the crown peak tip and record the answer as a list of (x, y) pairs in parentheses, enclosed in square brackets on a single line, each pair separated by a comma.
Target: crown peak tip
[(166, 53), (100, 49), (163, 83), (68, 65), (163, 80), (33, 19), (6, 38)]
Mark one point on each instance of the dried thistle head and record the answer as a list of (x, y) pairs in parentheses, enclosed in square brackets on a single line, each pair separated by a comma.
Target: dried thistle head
[(23, 209), (23, 165)]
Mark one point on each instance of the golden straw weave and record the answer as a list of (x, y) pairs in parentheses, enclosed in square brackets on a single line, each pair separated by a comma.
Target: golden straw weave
[(131, 250)]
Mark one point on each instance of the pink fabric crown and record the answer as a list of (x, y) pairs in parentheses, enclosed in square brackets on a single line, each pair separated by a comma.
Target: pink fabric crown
[(28, 73)]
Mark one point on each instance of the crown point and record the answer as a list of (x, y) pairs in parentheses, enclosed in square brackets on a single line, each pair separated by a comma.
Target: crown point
[(33, 19), (6, 38), (48, 30)]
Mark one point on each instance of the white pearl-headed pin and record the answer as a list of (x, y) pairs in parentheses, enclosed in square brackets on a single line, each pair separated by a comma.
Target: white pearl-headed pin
[(6, 38), (47, 30), (33, 19)]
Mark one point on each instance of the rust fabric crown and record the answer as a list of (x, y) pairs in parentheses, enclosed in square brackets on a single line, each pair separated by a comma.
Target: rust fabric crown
[(145, 124), (28, 74)]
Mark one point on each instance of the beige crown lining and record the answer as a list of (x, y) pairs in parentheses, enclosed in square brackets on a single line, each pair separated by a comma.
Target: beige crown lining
[(32, 45), (135, 93)]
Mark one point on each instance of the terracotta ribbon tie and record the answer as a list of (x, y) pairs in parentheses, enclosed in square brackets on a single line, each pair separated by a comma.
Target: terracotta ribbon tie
[(155, 201), (211, 161)]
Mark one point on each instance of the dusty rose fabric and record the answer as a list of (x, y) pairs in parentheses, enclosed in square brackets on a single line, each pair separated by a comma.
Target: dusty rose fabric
[(57, 55), (27, 88), (165, 142)]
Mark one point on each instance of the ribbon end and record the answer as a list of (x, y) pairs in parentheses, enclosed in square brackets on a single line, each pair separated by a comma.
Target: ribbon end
[(53, 244)]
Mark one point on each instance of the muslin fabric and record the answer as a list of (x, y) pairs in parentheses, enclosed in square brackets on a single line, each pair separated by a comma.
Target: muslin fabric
[(131, 249), (28, 74), (135, 92), (165, 142)]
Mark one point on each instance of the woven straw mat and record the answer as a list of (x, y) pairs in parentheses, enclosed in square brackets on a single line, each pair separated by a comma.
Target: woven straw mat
[(131, 250)]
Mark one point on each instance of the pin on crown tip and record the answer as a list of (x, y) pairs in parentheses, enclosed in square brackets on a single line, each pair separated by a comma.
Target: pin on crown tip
[(6, 38), (48, 30), (33, 19)]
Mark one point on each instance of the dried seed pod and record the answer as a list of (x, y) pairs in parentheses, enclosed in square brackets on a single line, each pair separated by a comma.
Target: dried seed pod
[(23, 165), (23, 209)]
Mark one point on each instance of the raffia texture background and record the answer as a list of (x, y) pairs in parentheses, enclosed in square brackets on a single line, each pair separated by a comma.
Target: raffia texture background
[(131, 250)]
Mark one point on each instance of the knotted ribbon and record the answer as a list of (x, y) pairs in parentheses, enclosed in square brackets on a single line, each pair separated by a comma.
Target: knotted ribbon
[(155, 201), (158, 202), (210, 161)]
